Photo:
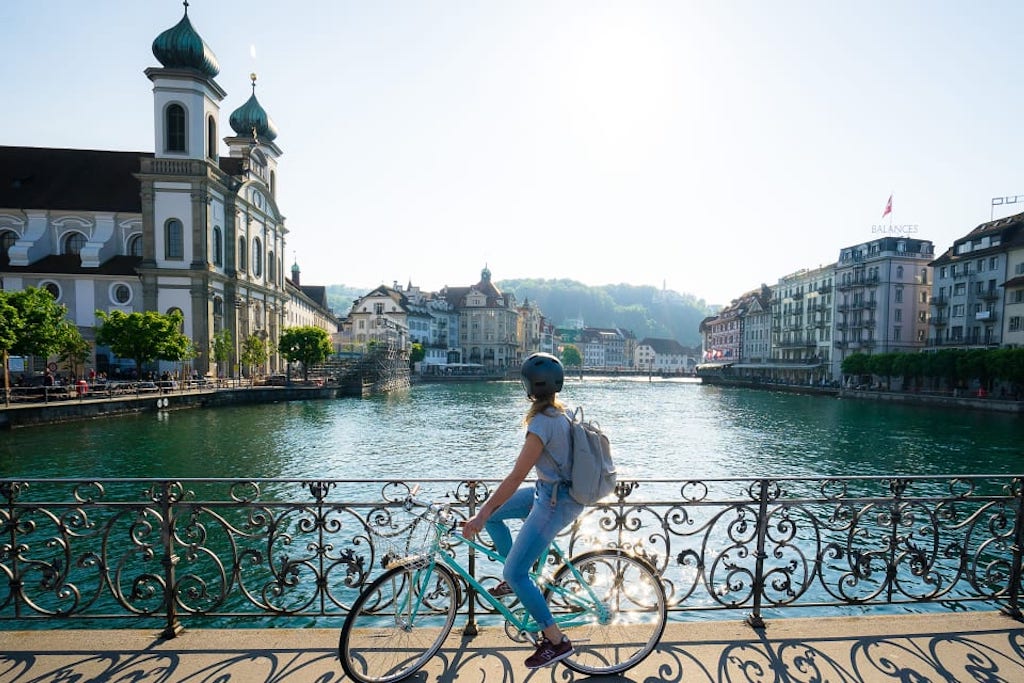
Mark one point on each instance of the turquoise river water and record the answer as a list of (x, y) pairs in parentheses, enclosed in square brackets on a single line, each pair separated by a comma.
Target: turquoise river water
[(660, 429)]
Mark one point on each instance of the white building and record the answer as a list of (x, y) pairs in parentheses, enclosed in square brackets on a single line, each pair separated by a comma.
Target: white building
[(181, 228)]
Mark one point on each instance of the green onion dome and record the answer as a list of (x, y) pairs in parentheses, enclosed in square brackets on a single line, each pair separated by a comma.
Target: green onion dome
[(251, 116), (180, 47)]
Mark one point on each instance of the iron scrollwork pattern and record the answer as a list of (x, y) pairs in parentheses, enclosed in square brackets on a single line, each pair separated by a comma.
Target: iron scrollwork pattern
[(231, 550)]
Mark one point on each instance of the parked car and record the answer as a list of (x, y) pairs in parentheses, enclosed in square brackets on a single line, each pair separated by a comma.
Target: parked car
[(277, 380), (143, 387)]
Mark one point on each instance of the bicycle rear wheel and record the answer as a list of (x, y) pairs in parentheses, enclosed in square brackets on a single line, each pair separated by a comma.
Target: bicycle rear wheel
[(625, 624), (398, 623)]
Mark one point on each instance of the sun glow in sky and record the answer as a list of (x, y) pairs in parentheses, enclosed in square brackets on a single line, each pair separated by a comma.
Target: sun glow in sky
[(709, 146)]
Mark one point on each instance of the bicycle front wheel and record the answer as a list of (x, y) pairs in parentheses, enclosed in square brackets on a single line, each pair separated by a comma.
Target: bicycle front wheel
[(613, 609), (398, 623)]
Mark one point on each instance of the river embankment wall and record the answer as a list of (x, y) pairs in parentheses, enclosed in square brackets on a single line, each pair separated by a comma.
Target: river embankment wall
[(914, 398), (72, 410)]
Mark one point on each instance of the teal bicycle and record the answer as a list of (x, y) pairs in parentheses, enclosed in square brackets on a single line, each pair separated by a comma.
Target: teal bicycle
[(611, 604)]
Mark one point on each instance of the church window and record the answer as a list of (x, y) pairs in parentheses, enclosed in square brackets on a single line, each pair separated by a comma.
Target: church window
[(73, 243), (174, 240), (241, 254), (120, 293), (7, 240), (135, 246), (257, 257), (53, 288), (271, 270), (175, 128), (218, 247), (211, 137)]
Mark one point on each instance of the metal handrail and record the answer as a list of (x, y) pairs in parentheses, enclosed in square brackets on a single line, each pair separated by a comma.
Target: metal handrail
[(228, 551)]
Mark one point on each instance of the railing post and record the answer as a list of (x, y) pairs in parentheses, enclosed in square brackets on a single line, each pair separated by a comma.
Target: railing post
[(471, 627), (10, 492), (172, 626), (897, 487), (755, 619), (1013, 609)]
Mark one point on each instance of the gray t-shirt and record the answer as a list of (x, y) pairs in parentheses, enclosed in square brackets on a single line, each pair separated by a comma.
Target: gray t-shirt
[(553, 430)]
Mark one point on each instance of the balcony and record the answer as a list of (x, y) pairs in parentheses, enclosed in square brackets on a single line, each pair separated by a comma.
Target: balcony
[(990, 294), (939, 320), (938, 301), (985, 316)]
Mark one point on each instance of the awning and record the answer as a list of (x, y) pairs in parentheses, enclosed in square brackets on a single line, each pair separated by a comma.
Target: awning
[(712, 366)]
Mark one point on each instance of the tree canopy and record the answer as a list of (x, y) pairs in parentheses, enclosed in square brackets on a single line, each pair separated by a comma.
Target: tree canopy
[(143, 337), (307, 345), (571, 356)]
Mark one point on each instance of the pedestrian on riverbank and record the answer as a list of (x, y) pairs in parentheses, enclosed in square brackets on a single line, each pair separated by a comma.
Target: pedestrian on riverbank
[(546, 507)]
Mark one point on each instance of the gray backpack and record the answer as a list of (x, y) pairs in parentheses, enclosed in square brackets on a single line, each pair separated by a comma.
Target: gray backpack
[(592, 468)]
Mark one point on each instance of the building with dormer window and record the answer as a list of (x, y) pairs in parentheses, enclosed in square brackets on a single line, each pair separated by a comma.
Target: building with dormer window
[(488, 323), (181, 228)]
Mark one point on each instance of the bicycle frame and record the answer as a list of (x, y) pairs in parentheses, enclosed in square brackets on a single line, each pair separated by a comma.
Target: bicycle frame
[(588, 604)]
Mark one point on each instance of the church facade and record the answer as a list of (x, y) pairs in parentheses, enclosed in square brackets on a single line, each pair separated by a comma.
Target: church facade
[(182, 228)]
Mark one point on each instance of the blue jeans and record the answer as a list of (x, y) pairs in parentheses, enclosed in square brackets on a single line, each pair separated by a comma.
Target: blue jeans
[(544, 519)]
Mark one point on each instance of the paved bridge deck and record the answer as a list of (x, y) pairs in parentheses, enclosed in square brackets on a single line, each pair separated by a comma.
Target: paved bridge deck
[(961, 647)]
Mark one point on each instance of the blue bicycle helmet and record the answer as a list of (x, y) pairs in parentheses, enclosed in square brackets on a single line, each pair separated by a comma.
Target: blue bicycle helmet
[(542, 375)]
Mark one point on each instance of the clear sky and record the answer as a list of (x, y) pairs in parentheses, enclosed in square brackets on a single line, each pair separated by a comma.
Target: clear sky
[(707, 146)]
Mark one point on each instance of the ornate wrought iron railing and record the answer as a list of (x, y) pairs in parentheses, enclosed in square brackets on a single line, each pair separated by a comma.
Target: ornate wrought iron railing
[(226, 552)]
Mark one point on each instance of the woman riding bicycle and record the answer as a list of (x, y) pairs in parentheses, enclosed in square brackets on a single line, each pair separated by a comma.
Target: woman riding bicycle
[(547, 506)]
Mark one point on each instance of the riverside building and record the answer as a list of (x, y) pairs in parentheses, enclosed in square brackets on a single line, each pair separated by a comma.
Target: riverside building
[(978, 298), (182, 228)]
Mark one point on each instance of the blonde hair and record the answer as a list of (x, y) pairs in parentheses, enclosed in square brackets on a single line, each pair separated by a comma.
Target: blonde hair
[(538, 404)]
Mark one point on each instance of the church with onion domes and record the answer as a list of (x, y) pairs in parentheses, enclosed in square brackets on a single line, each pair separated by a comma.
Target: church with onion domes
[(191, 226)]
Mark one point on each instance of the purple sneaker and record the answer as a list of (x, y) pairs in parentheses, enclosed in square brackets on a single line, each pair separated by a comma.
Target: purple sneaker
[(548, 653)]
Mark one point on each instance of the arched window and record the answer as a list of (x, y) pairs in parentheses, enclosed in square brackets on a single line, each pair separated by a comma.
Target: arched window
[(257, 257), (174, 240), (73, 243), (7, 240), (271, 270), (241, 254), (211, 137), (135, 246), (174, 128), (218, 247)]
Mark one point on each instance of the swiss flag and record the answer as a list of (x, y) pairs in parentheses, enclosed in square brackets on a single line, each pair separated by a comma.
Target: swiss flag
[(888, 207)]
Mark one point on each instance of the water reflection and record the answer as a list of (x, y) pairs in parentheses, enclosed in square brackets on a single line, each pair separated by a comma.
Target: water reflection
[(659, 429)]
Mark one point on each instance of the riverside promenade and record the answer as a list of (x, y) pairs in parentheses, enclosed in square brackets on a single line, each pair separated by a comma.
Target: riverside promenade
[(949, 647)]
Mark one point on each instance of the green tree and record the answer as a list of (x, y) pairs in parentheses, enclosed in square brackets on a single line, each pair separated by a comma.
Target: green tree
[(417, 353), (39, 323), (32, 323), (881, 364), (307, 345), (74, 349), (856, 364), (571, 356), (254, 353), (10, 322), (223, 347), (143, 337)]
